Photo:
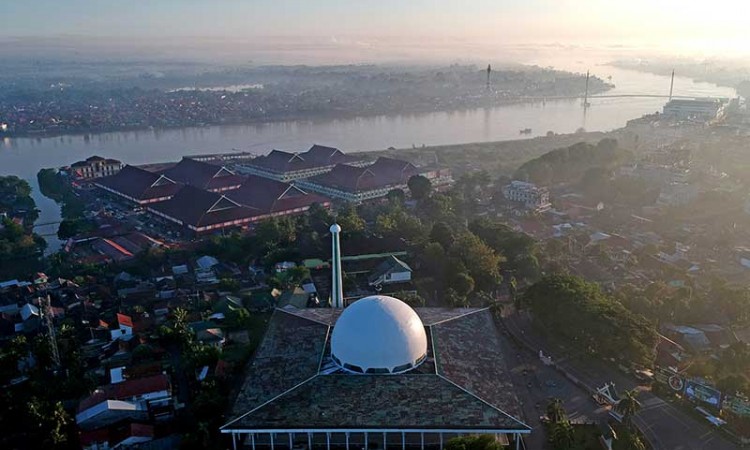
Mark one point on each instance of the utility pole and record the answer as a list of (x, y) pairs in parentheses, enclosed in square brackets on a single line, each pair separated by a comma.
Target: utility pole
[(671, 86)]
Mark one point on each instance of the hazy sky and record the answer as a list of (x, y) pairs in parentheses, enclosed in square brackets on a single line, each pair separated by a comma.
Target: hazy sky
[(717, 26)]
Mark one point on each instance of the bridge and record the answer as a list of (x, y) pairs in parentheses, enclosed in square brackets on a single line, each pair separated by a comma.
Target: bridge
[(576, 97), (44, 224), (585, 97)]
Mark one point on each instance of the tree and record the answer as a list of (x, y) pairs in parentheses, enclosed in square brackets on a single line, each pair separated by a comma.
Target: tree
[(628, 406), (294, 276), (229, 284), (632, 441), (520, 249), (49, 421), (432, 260), (482, 263), (462, 283), (349, 220), (556, 411), (736, 358), (562, 436), (442, 233), (398, 223), (473, 442), (396, 196), (276, 232), (733, 384), (319, 218), (419, 187), (410, 298), (578, 312)]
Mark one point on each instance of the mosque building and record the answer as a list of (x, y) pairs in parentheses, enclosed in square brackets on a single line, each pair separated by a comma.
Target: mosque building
[(377, 374)]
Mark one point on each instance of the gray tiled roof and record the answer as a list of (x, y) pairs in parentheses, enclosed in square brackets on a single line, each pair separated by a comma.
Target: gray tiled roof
[(377, 402), (464, 385), (289, 354)]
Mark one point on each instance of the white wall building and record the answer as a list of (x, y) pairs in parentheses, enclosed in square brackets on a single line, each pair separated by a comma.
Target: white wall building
[(532, 196)]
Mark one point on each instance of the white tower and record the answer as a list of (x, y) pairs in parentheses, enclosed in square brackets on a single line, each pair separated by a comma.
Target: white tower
[(337, 291)]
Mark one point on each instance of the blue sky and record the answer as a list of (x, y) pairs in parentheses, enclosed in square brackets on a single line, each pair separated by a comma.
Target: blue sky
[(680, 22)]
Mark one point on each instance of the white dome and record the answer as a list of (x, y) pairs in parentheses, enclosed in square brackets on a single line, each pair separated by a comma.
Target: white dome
[(378, 334)]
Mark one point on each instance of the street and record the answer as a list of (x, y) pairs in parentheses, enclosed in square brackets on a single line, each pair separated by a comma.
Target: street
[(665, 426)]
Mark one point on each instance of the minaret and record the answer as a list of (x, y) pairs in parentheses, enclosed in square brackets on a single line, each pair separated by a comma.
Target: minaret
[(337, 290)]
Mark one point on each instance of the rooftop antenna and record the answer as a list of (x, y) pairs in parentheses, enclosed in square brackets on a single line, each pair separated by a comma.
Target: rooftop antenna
[(46, 308), (337, 291), (671, 86), (489, 70)]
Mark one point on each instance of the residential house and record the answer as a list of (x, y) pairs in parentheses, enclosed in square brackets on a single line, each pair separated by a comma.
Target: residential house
[(392, 270)]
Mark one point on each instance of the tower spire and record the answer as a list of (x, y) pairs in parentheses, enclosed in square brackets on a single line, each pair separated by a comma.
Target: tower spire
[(337, 290), (586, 94), (671, 85)]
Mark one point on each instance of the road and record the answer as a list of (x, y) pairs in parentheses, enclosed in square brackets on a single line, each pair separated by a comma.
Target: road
[(536, 384), (664, 425)]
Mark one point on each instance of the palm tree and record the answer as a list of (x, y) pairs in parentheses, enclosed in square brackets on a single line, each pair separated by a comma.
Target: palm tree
[(628, 406), (634, 442), (562, 436), (555, 411)]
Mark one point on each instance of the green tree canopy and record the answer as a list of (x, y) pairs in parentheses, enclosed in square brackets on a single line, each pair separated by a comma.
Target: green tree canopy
[(578, 312), (419, 187)]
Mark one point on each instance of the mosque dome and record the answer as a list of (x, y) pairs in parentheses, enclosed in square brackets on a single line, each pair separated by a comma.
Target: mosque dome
[(380, 335)]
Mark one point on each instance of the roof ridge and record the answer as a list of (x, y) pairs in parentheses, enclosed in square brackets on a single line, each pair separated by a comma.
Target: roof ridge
[(270, 400), (468, 313), (443, 377), (291, 312)]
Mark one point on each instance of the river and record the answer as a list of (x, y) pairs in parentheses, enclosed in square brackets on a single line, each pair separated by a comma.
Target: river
[(25, 156)]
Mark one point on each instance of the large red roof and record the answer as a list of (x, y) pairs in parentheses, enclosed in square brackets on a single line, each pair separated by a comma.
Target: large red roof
[(203, 175), (140, 184), (318, 156), (201, 208), (271, 196), (382, 173)]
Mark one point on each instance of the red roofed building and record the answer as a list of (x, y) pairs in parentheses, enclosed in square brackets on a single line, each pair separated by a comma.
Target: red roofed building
[(139, 186), (202, 211), (204, 175), (286, 166), (357, 184), (125, 327), (274, 198)]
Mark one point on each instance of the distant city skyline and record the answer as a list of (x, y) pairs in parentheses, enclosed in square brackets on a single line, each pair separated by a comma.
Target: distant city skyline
[(715, 28)]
